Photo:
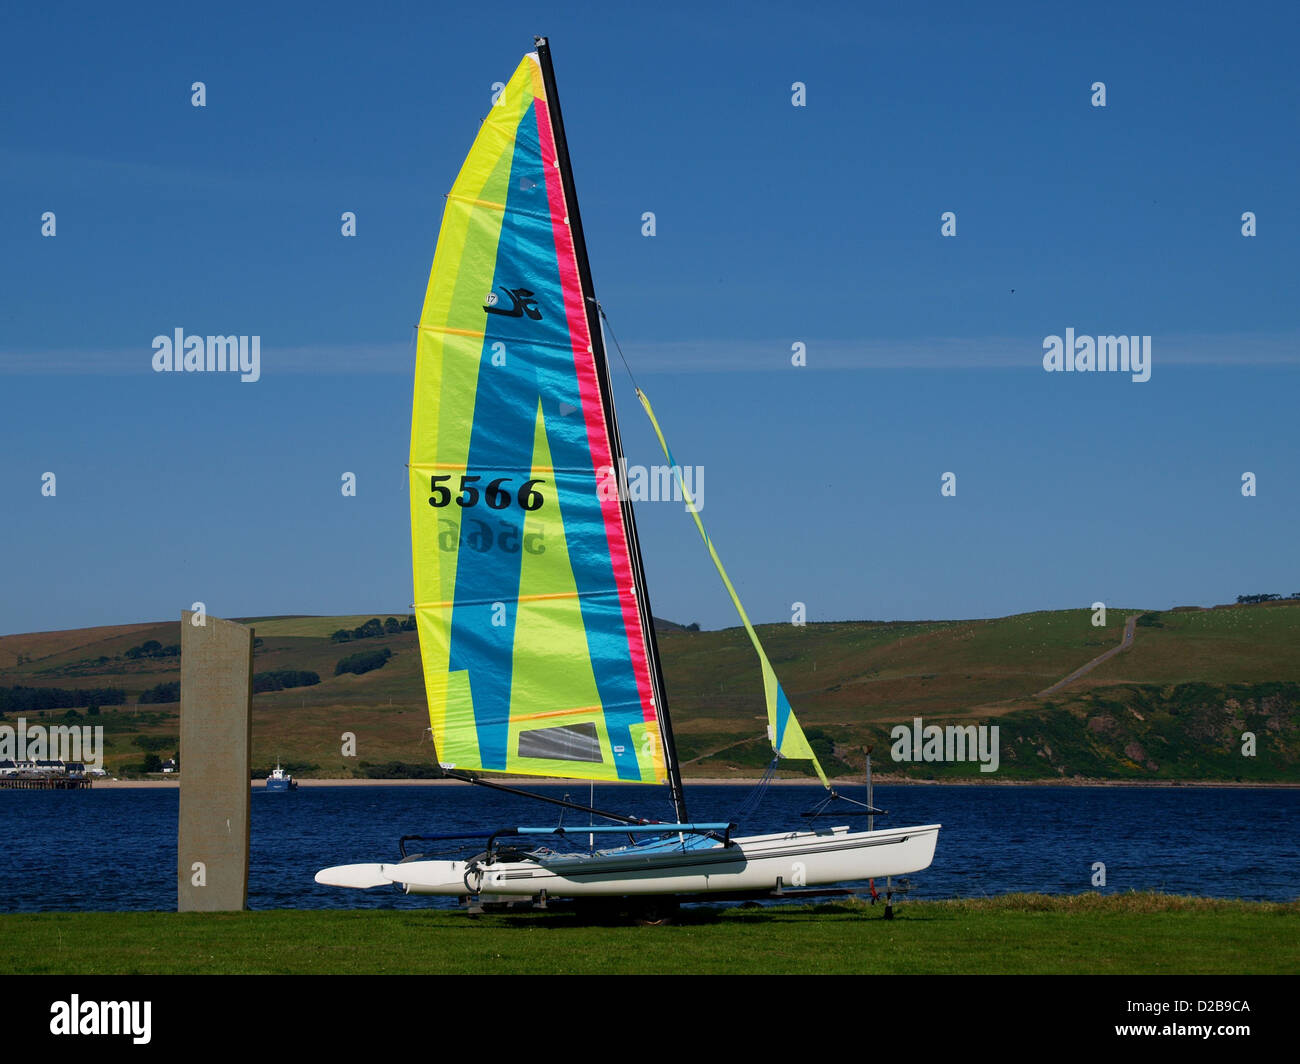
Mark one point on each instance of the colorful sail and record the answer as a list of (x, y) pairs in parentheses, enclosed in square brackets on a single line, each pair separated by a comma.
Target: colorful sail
[(788, 739), (535, 649)]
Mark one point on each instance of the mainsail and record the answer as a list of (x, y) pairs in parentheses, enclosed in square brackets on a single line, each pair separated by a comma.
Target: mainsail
[(538, 648)]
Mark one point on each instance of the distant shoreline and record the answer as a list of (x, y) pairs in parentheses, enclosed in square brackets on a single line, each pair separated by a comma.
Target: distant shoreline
[(885, 781)]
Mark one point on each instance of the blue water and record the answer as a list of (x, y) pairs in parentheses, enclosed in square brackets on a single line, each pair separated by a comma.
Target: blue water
[(116, 849)]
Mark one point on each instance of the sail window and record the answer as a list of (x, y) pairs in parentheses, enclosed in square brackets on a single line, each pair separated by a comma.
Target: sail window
[(571, 742)]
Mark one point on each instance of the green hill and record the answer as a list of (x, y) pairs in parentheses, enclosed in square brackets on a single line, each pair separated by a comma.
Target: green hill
[(1173, 706)]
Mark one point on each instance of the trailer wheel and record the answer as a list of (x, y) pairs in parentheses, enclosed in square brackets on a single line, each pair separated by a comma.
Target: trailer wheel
[(655, 913)]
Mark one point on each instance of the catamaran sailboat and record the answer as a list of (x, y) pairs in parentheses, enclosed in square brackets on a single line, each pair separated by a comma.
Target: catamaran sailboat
[(535, 628)]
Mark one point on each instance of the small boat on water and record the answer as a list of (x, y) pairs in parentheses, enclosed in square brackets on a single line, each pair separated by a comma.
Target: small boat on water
[(280, 780)]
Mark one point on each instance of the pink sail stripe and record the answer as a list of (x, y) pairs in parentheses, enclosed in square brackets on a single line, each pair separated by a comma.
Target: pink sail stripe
[(597, 430)]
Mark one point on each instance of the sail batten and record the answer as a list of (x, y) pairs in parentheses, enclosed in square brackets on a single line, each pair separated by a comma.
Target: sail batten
[(518, 598), (534, 647)]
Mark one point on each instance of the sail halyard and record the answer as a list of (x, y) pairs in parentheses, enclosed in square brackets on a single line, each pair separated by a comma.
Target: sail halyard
[(535, 629)]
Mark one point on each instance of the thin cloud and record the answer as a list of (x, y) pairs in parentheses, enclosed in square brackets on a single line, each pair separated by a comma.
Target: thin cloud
[(138, 361), (1261, 349), (704, 356)]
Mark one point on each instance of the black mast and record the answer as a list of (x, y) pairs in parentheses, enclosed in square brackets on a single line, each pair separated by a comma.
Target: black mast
[(607, 401)]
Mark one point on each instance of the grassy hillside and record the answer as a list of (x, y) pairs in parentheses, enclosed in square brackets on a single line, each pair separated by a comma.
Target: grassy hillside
[(1174, 706), (1230, 644)]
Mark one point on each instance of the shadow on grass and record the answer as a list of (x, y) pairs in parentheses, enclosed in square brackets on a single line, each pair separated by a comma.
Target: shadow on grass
[(621, 913), (626, 912)]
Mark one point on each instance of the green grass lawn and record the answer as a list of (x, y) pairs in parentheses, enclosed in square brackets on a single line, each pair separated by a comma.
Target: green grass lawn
[(1090, 933)]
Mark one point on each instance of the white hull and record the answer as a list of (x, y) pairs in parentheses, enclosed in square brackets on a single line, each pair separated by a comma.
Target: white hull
[(760, 862)]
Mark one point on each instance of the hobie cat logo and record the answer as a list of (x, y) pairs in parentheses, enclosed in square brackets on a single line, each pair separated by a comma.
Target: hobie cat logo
[(522, 302), (930, 742), (1087, 354), (208, 354)]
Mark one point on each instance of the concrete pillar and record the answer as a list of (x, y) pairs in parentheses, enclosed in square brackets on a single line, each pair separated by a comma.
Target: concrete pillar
[(216, 746)]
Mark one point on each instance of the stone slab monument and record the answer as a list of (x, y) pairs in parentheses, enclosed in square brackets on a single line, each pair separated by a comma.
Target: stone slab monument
[(216, 747)]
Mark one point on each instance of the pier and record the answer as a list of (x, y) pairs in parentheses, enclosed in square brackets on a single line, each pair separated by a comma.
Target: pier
[(48, 783)]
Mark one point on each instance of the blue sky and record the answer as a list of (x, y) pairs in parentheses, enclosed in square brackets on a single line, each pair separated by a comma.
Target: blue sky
[(775, 224)]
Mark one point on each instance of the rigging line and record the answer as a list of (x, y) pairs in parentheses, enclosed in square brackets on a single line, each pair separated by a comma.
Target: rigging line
[(751, 802), (617, 346)]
